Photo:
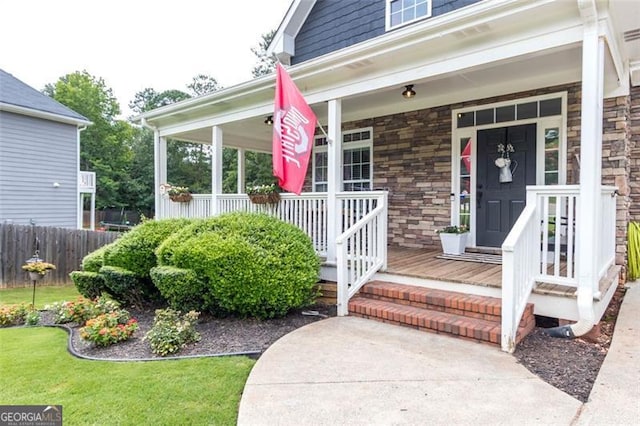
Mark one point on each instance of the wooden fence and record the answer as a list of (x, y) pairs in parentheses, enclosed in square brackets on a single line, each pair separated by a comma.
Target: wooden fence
[(63, 247)]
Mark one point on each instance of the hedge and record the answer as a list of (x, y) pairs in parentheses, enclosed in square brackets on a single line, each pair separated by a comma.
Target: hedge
[(181, 288), (89, 284)]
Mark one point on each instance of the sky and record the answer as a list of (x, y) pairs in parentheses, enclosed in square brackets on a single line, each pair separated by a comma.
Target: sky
[(134, 44)]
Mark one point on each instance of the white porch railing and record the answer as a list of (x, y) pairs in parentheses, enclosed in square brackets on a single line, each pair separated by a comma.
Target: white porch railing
[(87, 182), (361, 252), (541, 247), (307, 211)]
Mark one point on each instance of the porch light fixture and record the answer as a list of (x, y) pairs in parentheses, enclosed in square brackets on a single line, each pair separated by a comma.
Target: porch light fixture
[(269, 120), (408, 92)]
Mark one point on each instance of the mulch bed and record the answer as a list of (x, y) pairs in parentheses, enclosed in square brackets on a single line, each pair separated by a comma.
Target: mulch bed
[(570, 365)]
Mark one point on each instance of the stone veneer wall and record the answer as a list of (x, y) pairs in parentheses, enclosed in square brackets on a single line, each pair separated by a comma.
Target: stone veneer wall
[(634, 181), (412, 159)]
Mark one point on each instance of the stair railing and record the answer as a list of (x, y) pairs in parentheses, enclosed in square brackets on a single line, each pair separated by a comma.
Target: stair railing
[(361, 252)]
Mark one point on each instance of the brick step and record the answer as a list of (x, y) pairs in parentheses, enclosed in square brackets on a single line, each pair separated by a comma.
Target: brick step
[(468, 305), (430, 320)]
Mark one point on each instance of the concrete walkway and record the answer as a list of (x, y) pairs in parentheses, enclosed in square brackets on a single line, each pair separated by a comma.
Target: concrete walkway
[(361, 372)]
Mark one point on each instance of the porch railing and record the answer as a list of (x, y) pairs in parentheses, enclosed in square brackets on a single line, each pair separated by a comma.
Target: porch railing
[(308, 211), (361, 252), (542, 247), (87, 182)]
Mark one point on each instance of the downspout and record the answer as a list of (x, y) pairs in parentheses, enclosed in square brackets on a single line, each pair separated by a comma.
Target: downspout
[(586, 315)]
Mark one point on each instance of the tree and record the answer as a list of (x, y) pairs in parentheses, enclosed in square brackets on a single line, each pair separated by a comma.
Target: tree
[(104, 145), (203, 84), (266, 64)]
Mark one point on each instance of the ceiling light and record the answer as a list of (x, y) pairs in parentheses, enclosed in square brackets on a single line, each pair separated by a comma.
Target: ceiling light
[(408, 92), (269, 120)]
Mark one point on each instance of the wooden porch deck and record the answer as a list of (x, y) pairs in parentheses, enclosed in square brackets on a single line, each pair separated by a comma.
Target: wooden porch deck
[(424, 264)]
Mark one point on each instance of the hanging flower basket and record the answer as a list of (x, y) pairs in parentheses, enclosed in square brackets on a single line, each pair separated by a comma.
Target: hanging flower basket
[(272, 198), (184, 197)]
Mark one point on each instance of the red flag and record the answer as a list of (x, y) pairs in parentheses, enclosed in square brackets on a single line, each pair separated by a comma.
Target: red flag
[(294, 125)]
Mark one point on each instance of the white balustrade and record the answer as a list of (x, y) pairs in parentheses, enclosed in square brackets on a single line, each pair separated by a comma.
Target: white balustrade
[(87, 182), (607, 231)]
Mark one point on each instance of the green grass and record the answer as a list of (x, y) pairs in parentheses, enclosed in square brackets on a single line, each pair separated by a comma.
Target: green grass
[(44, 295), (36, 369)]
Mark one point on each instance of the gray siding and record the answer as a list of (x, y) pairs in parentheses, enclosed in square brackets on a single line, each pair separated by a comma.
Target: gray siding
[(35, 153), (335, 24)]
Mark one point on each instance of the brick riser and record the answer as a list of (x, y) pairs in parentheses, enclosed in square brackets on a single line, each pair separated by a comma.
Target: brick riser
[(458, 314)]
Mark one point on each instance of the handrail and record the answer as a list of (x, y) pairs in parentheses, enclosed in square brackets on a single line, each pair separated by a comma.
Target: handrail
[(361, 252), (520, 265)]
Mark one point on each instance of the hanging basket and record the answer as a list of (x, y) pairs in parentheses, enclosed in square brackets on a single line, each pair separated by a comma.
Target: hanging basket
[(34, 276), (272, 198), (181, 198)]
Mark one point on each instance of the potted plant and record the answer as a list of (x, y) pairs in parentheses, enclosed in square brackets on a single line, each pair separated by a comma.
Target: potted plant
[(453, 239), (179, 194), (263, 194), (37, 270)]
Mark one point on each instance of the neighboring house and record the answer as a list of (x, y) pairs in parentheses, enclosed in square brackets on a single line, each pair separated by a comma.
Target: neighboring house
[(418, 97), (40, 178)]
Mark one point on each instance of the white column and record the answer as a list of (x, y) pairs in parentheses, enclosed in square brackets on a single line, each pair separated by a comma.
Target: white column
[(241, 171), (334, 176), (216, 167), (590, 165), (80, 209), (93, 211), (159, 170)]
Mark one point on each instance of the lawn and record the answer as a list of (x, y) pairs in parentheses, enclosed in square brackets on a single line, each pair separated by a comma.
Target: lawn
[(36, 369), (44, 295)]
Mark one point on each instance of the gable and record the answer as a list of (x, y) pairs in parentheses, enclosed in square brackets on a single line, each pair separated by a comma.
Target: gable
[(19, 97), (335, 24)]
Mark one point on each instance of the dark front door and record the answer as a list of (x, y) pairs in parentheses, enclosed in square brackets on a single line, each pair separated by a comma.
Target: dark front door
[(499, 203)]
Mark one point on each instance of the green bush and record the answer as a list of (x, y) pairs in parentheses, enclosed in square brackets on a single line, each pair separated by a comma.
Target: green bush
[(125, 286), (255, 265), (181, 288), (172, 331), (135, 250), (89, 284), (95, 260)]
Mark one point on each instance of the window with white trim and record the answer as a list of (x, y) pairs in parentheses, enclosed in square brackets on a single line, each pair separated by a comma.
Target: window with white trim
[(402, 12), (357, 164)]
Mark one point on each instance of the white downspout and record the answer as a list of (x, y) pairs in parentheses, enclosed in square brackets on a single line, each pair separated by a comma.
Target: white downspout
[(591, 160)]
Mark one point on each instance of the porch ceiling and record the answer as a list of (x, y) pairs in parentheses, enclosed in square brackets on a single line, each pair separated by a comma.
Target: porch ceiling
[(510, 47)]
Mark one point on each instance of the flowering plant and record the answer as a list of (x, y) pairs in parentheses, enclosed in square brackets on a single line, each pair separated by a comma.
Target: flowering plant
[(107, 329), (261, 189), (81, 310), (177, 190), (453, 230), (172, 331), (38, 267), (13, 314)]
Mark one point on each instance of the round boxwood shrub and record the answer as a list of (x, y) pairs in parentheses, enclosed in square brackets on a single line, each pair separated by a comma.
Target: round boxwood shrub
[(95, 260), (181, 288), (254, 264), (125, 286), (135, 250), (88, 284)]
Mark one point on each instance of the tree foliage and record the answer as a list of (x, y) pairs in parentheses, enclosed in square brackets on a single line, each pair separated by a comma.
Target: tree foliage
[(104, 145), (266, 64)]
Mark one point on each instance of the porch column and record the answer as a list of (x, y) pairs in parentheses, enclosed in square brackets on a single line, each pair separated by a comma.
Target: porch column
[(92, 211), (160, 170), (216, 168), (241, 171), (334, 176), (590, 161)]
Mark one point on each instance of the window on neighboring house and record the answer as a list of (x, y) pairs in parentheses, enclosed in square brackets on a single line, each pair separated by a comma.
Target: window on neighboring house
[(357, 165), (402, 12)]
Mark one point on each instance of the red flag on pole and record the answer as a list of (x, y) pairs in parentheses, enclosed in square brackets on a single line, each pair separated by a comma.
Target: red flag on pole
[(294, 125)]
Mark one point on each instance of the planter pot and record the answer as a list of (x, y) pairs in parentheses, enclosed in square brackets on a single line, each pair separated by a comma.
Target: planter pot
[(34, 276), (181, 198), (265, 198), (453, 243)]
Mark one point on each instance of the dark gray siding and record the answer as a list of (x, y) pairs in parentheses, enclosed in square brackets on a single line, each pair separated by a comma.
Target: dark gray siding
[(35, 153), (335, 24)]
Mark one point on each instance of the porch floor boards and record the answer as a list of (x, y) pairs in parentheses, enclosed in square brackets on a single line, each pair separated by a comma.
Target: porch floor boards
[(423, 263)]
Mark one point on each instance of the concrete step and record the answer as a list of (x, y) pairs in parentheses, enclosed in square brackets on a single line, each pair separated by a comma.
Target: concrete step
[(458, 314)]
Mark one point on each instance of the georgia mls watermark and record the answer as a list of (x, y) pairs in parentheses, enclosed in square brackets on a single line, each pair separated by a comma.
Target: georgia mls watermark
[(30, 415)]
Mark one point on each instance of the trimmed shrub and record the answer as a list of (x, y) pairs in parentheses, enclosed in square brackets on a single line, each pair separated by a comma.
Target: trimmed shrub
[(181, 288), (124, 286), (135, 250), (88, 284), (256, 265), (95, 260)]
